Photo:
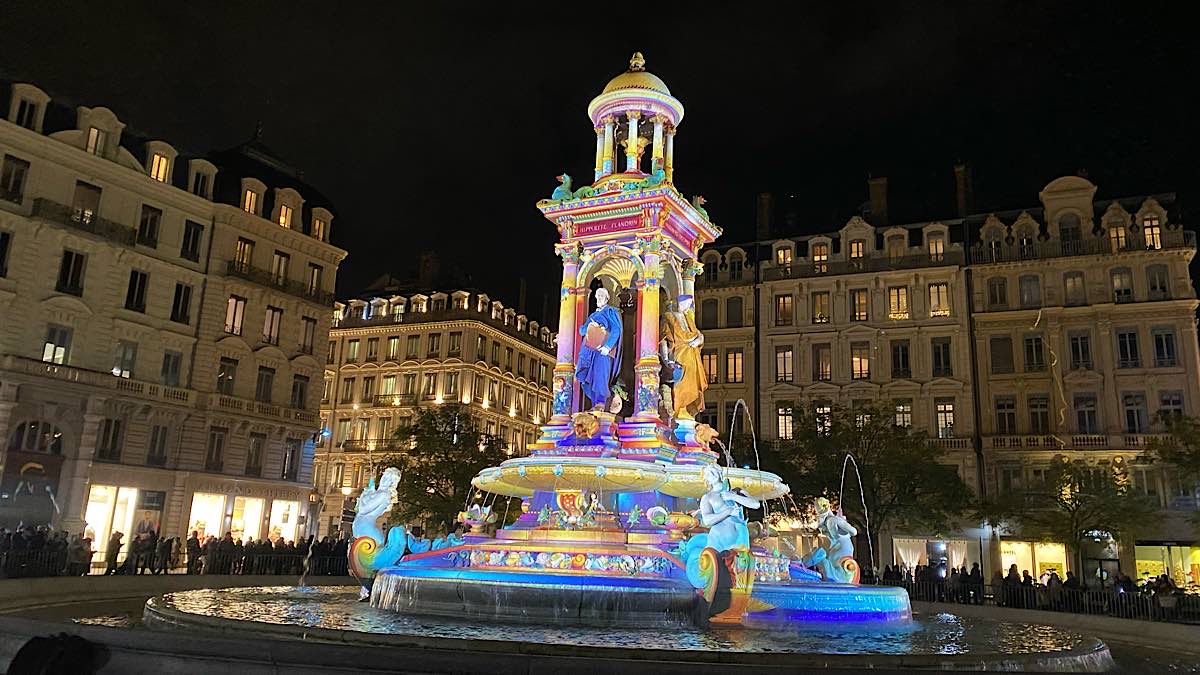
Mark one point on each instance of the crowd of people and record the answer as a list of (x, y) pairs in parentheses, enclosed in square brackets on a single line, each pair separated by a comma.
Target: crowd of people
[(1152, 598), (37, 551)]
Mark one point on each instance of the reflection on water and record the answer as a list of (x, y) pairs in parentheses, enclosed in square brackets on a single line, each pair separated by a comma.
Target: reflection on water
[(338, 608), (110, 620)]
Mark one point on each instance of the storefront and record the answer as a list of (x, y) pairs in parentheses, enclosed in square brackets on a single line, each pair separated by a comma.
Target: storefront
[(1179, 560), (248, 513), (908, 552), (246, 509), (207, 515), (285, 516), (1039, 558), (129, 510)]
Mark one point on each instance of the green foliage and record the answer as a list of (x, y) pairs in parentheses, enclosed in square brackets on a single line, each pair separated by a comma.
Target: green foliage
[(905, 482), (448, 448), (1180, 447)]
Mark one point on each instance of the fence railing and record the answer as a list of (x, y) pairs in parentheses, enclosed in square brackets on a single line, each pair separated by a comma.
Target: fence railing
[(26, 564), (1175, 607)]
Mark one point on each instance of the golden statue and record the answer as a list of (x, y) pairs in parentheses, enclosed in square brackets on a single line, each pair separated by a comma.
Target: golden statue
[(682, 342)]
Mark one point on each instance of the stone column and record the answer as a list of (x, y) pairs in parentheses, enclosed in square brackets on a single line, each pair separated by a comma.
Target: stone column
[(568, 331), (670, 158), (648, 365), (599, 169), (75, 478), (608, 154), (631, 154), (658, 161), (8, 402)]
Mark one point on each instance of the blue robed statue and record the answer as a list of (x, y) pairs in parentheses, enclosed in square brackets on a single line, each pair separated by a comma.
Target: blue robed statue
[(599, 361)]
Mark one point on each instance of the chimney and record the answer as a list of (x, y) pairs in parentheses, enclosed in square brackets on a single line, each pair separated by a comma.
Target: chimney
[(964, 190), (763, 218), (427, 269), (877, 189), (521, 297)]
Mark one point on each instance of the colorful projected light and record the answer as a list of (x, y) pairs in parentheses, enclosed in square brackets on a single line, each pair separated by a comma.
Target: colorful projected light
[(628, 518)]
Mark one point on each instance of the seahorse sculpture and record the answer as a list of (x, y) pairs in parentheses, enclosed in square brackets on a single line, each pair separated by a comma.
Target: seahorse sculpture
[(371, 550)]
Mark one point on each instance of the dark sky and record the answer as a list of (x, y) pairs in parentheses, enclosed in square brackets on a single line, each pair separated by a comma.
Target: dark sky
[(440, 127)]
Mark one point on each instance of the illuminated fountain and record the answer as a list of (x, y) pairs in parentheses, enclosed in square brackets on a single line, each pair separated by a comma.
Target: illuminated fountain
[(628, 517)]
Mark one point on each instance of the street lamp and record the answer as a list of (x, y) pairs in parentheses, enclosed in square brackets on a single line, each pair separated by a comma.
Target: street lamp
[(346, 490)]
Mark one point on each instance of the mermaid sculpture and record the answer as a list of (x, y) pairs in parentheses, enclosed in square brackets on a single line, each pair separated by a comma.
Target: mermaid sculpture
[(371, 550), (835, 558), (721, 560)]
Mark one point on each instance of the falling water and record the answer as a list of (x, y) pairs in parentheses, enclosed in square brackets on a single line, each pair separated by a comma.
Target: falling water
[(741, 403), (863, 495)]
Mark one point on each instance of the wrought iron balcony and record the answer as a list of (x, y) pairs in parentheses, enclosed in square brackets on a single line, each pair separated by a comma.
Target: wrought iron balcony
[(395, 400), (83, 220), (1003, 252), (269, 279), (874, 263)]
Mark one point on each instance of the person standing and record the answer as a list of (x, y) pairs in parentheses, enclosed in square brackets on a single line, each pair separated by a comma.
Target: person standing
[(110, 556), (599, 362), (193, 553)]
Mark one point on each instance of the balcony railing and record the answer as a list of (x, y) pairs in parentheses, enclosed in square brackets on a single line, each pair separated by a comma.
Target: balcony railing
[(266, 278), (875, 263), (261, 409), (1071, 441), (373, 445), (1170, 239), (409, 318), (395, 400), (94, 378), (83, 220)]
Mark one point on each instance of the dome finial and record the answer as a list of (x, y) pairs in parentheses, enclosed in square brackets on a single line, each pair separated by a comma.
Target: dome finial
[(637, 63)]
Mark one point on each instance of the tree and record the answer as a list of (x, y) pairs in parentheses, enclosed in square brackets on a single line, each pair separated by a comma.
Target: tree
[(1180, 446), (446, 449), (905, 480), (1078, 503)]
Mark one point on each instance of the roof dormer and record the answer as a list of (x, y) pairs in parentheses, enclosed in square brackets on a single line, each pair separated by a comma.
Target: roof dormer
[(321, 220), (160, 160), (253, 193), (28, 106), (288, 203), (202, 175), (101, 131)]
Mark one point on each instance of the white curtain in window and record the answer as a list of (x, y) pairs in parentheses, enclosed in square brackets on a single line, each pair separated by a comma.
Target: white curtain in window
[(956, 553), (909, 552)]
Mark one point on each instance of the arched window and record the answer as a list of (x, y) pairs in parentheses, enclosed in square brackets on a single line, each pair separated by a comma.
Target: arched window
[(1075, 288), (735, 267), (997, 293), (708, 313), (710, 269), (36, 436), (1031, 291), (733, 312)]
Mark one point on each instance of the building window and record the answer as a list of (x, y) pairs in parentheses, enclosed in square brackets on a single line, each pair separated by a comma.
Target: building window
[(937, 248), (70, 273), (125, 359), (858, 248), (243, 254), (285, 216), (939, 299), (435, 349), (108, 445), (733, 365), (783, 257), (27, 113), (783, 422), (710, 271), (1136, 417), (58, 344), (708, 313), (783, 364), (1164, 347), (299, 392), (265, 386), (250, 201), (903, 417), (822, 363), (85, 203), (520, 365), (12, 179), (347, 395), (1076, 288), (944, 417), (735, 268), (159, 166), (709, 358), (1069, 232), (156, 451), (181, 305), (820, 307), (308, 334), (1031, 292), (372, 349), (1122, 285), (5, 244), (783, 310), (148, 226), (192, 234), (1081, 350), (235, 312), (352, 351), (279, 267), (315, 272), (941, 357), (860, 361), (1086, 414), (1158, 282), (254, 454), (1116, 237), (214, 459), (226, 376), (859, 304), (413, 344), (200, 184), (1035, 358), (1006, 415), (451, 385), (733, 312), (900, 362), (1128, 355), (898, 303), (997, 293), (96, 140), (135, 292), (1170, 404), (171, 365), (823, 412), (454, 347), (820, 258), (319, 229), (508, 354), (271, 324), (393, 348), (1002, 355), (430, 385), (1152, 233), (1039, 414)]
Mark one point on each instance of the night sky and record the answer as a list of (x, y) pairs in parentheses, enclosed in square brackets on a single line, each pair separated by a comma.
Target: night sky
[(440, 128)]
